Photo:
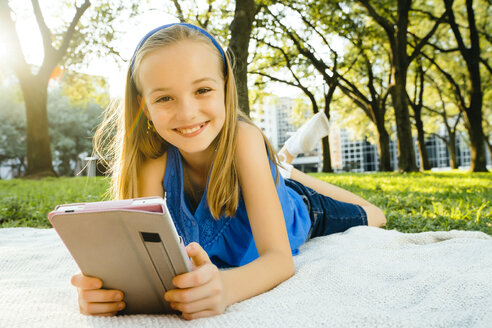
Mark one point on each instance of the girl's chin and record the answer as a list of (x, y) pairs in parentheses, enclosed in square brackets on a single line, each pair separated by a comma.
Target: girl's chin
[(192, 147)]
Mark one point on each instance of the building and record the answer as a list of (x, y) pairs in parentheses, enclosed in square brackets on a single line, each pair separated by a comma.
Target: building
[(348, 155), (277, 124)]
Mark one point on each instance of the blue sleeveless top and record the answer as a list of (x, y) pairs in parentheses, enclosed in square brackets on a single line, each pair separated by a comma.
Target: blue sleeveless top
[(228, 241)]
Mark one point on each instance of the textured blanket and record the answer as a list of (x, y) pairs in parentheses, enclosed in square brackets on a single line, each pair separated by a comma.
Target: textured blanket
[(365, 277)]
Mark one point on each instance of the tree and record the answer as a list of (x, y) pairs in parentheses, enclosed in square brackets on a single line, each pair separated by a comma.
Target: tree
[(397, 35), (279, 30), (367, 79), (464, 74), (241, 27), (472, 110), (66, 47), (12, 132), (450, 123), (417, 103), (71, 129)]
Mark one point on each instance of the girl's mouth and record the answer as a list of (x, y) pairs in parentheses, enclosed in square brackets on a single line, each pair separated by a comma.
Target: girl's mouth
[(192, 131)]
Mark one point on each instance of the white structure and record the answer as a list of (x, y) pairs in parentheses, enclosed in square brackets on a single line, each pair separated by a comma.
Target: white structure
[(347, 154), (277, 124)]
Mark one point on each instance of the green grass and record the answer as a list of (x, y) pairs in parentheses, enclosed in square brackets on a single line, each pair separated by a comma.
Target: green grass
[(26, 203), (412, 202), (419, 202)]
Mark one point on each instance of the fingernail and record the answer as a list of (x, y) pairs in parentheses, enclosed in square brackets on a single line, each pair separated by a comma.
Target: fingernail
[(118, 297), (121, 306)]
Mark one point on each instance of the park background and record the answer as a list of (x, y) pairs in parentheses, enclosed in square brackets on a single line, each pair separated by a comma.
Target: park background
[(387, 70)]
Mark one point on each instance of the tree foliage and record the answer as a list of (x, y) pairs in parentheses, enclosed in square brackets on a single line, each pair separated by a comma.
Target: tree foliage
[(80, 32)]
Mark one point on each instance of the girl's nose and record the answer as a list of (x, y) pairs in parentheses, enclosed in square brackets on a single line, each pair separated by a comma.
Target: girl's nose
[(187, 109)]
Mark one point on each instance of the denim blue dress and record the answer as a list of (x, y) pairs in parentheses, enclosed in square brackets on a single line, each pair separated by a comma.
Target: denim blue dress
[(229, 240)]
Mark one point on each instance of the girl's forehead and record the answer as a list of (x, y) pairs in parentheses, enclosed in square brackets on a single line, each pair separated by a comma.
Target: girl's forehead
[(180, 61)]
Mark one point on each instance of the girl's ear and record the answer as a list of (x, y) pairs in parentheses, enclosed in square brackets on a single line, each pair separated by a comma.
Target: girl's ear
[(146, 111)]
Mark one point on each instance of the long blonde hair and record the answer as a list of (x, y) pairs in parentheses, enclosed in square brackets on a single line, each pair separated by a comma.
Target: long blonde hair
[(123, 141)]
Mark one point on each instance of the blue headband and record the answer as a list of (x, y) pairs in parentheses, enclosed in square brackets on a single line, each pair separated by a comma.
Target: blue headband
[(148, 35)]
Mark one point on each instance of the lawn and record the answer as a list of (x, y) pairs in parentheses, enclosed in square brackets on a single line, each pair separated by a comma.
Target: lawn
[(412, 202)]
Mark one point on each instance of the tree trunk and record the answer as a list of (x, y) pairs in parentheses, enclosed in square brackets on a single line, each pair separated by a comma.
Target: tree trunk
[(451, 144), (473, 112), (383, 148), (406, 154), (473, 117), (241, 27), (473, 123), (326, 156), (325, 141), (34, 89), (424, 158)]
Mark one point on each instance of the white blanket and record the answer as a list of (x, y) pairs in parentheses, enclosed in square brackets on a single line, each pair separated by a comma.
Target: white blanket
[(365, 277)]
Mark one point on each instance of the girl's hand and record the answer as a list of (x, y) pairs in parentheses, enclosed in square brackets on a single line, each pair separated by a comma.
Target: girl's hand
[(96, 301), (199, 293)]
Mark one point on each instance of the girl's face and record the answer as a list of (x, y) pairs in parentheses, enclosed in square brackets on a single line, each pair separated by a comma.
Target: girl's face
[(183, 88)]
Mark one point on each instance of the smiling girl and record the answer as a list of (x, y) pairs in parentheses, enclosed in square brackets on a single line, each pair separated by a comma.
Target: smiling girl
[(180, 132)]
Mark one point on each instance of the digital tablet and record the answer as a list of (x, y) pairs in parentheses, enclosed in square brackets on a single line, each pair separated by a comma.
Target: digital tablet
[(131, 245)]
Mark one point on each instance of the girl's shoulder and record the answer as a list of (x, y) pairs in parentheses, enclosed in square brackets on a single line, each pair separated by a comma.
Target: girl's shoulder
[(151, 175), (248, 134), (250, 142)]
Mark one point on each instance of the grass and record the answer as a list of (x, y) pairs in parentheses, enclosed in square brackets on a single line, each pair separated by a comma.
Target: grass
[(431, 201), (412, 202), (26, 203)]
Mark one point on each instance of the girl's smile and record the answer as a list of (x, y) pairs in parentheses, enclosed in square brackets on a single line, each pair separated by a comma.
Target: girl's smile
[(192, 131)]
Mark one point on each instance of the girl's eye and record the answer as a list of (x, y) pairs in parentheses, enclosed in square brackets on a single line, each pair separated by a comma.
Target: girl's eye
[(202, 91), (163, 99)]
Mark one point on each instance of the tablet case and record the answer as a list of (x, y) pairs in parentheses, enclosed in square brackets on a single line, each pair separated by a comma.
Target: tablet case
[(135, 249)]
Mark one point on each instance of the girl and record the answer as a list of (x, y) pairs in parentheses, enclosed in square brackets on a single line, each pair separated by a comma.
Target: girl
[(180, 132)]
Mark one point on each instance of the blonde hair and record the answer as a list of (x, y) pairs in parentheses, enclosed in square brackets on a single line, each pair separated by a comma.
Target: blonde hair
[(123, 141)]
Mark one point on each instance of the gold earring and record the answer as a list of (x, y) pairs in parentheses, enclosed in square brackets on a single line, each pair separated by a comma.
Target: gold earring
[(150, 126)]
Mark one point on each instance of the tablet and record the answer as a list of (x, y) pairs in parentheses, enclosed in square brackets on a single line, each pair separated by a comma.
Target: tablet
[(131, 245)]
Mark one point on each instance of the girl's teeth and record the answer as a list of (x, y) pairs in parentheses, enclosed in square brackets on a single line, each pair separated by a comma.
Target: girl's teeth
[(187, 131)]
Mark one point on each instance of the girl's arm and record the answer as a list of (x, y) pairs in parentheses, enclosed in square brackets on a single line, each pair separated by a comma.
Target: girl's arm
[(275, 263), (207, 291)]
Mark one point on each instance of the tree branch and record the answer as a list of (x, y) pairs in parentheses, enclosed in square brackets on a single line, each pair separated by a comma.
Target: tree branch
[(449, 78), (384, 23), (423, 42), (179, 11), (313, 27), (355, 90), (7, 25), (474, 40), (71, 29), (43, 28), (455, 28), (486, 64), (348, 92), (320, 66)]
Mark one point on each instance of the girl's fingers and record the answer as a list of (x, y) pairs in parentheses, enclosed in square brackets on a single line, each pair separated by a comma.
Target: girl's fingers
[(110, 314), (101, 308), (197, 254), (206, 304), (193, 294), (84, 282), (200, 276), (201, 314), (100, 295)]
